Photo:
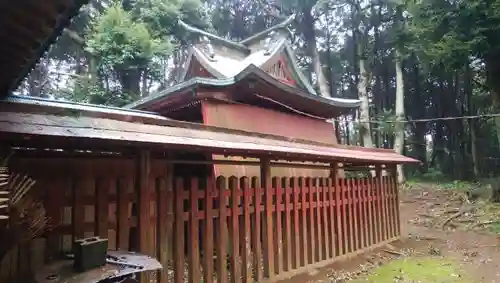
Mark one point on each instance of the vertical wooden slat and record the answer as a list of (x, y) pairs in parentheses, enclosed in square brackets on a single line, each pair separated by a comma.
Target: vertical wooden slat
[(256, 231), (222, 232), (101, 213), (386, 214), (179, 231), (326, 206), (393, 205), (317, 219), (345, 211), (125, 186), (352, 215), (163, 244), (54, 204), (398, 212), (362, 209), (78, 214), (339, 204), (375, 207), (387, 202), (288, 223), (357, 215), (296, 219), (194, 244), (366, 226), (245, 233), (208, 235), (305, 234), (311, 218), (268, 245), (331, 215), (278, 239), (144, 196), (370, 215), (235, 247)]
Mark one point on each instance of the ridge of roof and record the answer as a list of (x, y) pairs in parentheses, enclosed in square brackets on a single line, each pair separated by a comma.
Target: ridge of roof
[(217, 38), (263, 33), (224, 67)]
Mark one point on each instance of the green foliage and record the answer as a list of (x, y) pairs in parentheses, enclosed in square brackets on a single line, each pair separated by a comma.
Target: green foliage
[(122, 42), (424, 270)]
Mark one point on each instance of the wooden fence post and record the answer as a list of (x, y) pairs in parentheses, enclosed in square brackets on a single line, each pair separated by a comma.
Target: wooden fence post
[(395, 192), (265, 174), (143, 201)]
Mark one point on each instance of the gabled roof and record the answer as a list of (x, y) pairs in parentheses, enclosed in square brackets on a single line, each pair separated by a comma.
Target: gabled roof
[(226, 59), (322, 105), (27, 29)]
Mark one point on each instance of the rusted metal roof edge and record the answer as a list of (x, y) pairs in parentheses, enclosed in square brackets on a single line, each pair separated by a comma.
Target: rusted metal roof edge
[(137, 134)]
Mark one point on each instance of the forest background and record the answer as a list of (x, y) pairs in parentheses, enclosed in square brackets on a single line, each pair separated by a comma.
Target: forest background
[(426, 71)]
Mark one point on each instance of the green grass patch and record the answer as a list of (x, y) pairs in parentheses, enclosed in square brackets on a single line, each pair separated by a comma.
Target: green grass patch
[(423, 270)]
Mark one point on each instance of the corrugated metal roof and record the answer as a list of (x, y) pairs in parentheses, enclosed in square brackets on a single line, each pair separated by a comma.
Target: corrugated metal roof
[(214, 141)]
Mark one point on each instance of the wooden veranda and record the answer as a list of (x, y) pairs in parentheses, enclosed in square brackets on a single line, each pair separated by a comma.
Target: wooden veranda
[(117, 174)]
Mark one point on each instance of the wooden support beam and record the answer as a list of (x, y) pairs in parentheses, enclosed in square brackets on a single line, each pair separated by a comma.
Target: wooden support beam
[(266, 183), (144, 202)]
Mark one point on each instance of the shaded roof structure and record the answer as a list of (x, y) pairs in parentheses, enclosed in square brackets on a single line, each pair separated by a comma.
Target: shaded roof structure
[(27, 30), (130, 127), (229, 62)]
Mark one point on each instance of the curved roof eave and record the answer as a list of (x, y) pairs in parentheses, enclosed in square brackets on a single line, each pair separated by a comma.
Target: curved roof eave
[(250, 70), (338, 102)]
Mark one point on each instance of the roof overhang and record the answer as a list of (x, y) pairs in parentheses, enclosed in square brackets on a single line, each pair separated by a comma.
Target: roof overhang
[(286, 94), (165, 134), (28, 29)]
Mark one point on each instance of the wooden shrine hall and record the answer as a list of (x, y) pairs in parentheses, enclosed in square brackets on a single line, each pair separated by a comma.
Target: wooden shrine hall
[(233, 175)]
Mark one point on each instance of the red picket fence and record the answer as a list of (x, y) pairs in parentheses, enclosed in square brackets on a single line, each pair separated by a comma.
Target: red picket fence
[(233, 230), (224, 230)]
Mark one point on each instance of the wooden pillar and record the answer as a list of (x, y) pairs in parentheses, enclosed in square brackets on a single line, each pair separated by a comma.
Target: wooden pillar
[(165, 231), (395, 190), (382, 202), (143, 200), (332, 190), (266, 183)]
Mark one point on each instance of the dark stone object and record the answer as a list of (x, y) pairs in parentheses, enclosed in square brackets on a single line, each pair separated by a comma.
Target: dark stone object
[(90, 253)]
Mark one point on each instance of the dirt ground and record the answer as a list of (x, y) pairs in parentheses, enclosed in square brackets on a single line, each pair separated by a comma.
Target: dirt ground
[(436, 222)]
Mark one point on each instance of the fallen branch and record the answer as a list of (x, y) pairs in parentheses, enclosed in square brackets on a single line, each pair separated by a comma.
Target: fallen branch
[(393, 252), (485, 223), (456, 215), (425, 215)]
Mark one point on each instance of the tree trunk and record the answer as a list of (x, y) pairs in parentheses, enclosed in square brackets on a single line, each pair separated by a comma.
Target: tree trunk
[(472, 122), (364, 109), (399, 134), (312, 49)]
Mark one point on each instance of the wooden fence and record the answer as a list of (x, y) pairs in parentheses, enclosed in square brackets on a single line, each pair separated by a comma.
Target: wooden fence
[(310, 221), (223, 230)]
